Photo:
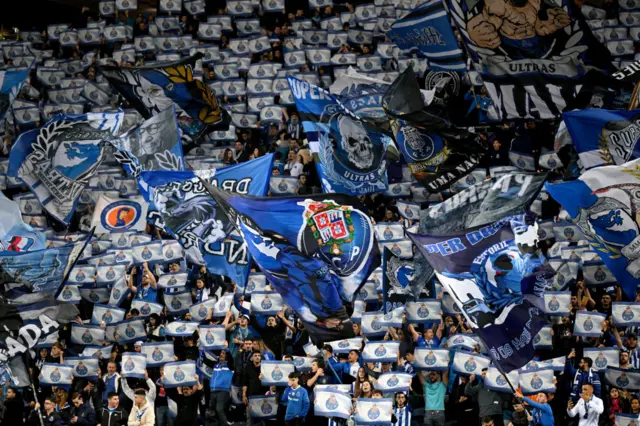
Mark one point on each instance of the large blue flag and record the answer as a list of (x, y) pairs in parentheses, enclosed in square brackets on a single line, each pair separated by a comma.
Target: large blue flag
[(10, 83), (604, 203), (494, 273), (604, 137), (153, 145), (316, 251), (428, 28), (351, 158), (192, 216), (196, 105), (57, 160), (15, 235)]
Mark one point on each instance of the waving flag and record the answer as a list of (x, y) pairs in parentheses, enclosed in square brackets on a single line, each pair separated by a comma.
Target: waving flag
[(106, 314), (603, 358), (133, 364), (57, 160), (469, 363), (626, 419), (15, 235), (178, 374), (178, 303), (381, 351), (119, 214), (172, 280), (194, 218), (373, 411), (496, 381), (212, 337), (84, 367), (55, 374), (533, 382), (346, 345), (131, 330), (603, 204), (401, 278), (158, 353), (388, 231), (276, 373), (332, 404), (10, 85), (394, 382), (146, 308), (497, 277), (153, 145), (315, 251), (623, 379), (588, 324), (263, 407), (181, 328), (626, 314), (431, 359), (350, 157), (370, 325), (544, 339), (423, 311), (393, 318), (557, 303), (197, 108), (147, 253), (87, 334)]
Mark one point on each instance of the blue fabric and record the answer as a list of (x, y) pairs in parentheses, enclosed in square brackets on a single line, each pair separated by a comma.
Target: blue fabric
[(221, 379), (542, 413), (297, 401)]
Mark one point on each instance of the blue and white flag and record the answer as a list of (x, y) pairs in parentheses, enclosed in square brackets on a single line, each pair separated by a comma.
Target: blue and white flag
[(603, 358), (154, 145), (181, 328), (177, 374), (15, 235), (109, 274), (368, 292), (84, 367), (623, 379), (273, 5), (177, 303), (114, 33), (423, 311), (557, 303), (431, 359), (399, 190), (567, 231), (266, 303), (469, 363), (346, 345), (106, 314), (449, 305), (172, 280), (133, 364), (101, 352), (263, 407), (167, 23), (626, 419), (158, 353), (588, 324), (144, 44), (131, 330), (194, 7), (400, 248), (223, 305), (57, 160), (596, 274), (625, 314), (357, 36), (496, 381), (544, 339), (373, 411), (388, 231), (522, 161), (393, 318), (381, 351), (55, 374), (126, 4), (95, 295), (276, 373), (536, 381), (283, 185), (118, 292), (603, 137), (332, 404), (303, 363), (591, 200), (370, 326), (409, 210), (394, 382), (212, 337), (70, 293), (199, 311), (146, 308), (87, 334), (149, 253), (357, 164), (172, 250), (171, 6)]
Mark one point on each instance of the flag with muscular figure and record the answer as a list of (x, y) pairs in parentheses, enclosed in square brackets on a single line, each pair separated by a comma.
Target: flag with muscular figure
[(316, 252), (532, 55)]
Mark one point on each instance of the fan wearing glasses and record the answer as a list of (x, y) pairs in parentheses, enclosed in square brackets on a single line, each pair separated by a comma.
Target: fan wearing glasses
[(589, 407)]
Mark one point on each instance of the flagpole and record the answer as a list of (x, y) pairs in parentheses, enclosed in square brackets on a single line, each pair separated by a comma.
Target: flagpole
[(633, 103)]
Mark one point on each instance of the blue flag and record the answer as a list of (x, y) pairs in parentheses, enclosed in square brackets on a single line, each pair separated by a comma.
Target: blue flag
[(604, 137), (191, 215), (57, 160), (316, 251), (428, 29), (401, 280), (494, 273), (196, 105), (350, 157), (10, 84), (603, 203)]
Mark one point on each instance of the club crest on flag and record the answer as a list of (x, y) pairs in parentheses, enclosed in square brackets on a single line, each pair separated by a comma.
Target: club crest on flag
[(120, 215)]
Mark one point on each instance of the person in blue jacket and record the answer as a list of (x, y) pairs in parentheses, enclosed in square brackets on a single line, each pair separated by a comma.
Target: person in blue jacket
[(297, 400), (584, 374), (542, 413)]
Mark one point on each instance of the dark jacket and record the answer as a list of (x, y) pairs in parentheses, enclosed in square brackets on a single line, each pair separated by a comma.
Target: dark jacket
[(53, 419), (85, 414), (251, 379), (13, 411), (187, 407), (118, 417), (489, 402)]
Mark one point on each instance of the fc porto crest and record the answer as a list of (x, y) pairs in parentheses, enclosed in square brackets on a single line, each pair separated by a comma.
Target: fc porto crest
[(129, 365), (178, 375), (329, 232), (536, 382), (332, 403), (276, 374), (266, 408), (380, 351), (81, 369), (374, 412), (157, 355), (430, 359), (553, 304), (601, 361), (470, 365), (627, 314), (55, 376)]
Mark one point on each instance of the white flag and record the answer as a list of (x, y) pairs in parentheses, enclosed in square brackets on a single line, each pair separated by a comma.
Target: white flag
[(109, 274), (276, 373), (95, 295), (423, 311), (114, 33), (200, 311), (146, 308), (626, 313), (194, 7), (625, 419), (370, 326), (369, 63), (178, 303), (332, 404), (266, 303), (223, 305), (315, 4), (393, 318), (469, 363), (131, 330), (373, 411), (496, 381), (273, 5), (603, 358), (408, 210), (596, 274), (178, 374), (212, 337), (86, 334), (158, 353), (234, 88), (431, 359), (532, 382), (209, 31), (106, 314), (259, 86), (303, 363), (263, 407), (181, 328), (83, 274), (336, 40), (271, 114), (171, 5), (544, 339), (381, 351), (149, 252), (133, 364), (387, 231), (171, 280), (84, 367), (588, 324), (69, 294), (319, 57), (557, 303), (346, 345), (102, 352), (55, 374), (126, 4), (624, 379), (394, 382)]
